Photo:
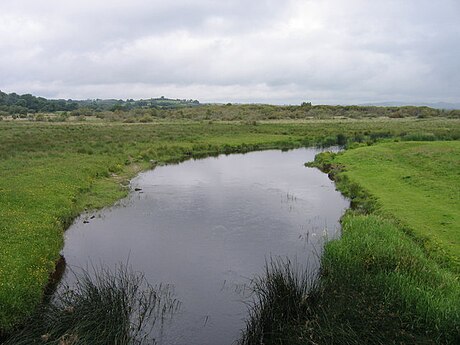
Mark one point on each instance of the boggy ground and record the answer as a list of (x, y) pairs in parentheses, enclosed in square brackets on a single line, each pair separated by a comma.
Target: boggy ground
[(50, 172)]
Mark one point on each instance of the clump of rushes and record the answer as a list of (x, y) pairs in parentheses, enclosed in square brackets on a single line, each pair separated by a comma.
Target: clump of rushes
[(105, 306), (287, 309), (282, 298)]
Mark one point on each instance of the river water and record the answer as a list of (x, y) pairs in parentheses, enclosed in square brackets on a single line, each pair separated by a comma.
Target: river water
[(207, 227)]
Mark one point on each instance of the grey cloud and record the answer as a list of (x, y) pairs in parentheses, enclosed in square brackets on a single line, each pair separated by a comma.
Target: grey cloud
[(259, 51)]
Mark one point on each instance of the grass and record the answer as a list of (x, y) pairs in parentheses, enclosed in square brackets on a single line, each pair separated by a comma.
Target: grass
[(380, 284), (416, 183), (388, 279), (284, 293), (376, 287), (105, 307), (51, 172)]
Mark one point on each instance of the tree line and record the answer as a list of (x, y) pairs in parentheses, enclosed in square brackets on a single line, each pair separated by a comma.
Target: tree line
[(14, 104)]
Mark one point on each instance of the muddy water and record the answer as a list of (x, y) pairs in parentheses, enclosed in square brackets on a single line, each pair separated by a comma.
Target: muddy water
[(206, 227)]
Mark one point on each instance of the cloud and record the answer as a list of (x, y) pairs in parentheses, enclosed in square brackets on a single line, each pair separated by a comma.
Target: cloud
[(328, 51)]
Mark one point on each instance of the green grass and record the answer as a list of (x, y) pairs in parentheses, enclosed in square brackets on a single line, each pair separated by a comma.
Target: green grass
[(381, 285), (105, 306), (393, 276), (282, 297), (377, 286), (418, 184), (50, 172)]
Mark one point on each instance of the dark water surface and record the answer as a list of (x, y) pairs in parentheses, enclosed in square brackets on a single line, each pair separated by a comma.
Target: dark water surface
[(207, 226)]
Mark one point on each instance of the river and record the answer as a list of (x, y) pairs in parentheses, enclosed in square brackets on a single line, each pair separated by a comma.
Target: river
[(206, 227)]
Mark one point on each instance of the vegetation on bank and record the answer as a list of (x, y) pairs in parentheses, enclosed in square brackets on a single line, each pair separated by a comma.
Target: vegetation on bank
[(380, 284), (104, 307), (51, 172), (417, 185), (376, 286), (392, 277)]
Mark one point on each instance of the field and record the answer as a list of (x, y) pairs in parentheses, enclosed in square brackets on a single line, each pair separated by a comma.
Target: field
[(51, 172)]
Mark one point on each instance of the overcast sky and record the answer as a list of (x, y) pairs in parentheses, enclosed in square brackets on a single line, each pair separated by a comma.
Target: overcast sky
[(270, 51)]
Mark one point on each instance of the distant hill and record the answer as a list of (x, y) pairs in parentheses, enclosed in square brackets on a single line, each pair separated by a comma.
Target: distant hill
[(437, 105), (158, 103), (144, 110), (22, 104)]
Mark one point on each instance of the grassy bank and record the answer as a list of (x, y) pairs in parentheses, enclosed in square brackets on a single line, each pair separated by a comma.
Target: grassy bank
[(393, 275), (376, 287), (50, 172), (417, 184), (378, 283)]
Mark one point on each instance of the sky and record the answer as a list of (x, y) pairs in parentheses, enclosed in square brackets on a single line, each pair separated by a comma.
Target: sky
[(258, 51)]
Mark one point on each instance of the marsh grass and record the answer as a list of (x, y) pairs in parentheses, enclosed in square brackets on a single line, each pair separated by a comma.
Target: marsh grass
[(281, 298), (104, 306), (287, 308), (375, 287), (379, 282)]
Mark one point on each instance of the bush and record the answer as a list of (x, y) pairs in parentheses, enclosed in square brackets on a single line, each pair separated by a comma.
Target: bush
[(40, 117)]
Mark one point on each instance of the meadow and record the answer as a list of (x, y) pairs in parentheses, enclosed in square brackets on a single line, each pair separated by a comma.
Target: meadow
[(53, 171)]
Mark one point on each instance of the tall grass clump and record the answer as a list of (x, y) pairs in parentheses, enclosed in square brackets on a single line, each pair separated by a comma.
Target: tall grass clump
[(281, 299), (117, 307)]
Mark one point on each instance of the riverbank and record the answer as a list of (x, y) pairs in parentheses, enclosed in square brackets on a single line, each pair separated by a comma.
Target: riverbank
[(393, 275), (52, 172)]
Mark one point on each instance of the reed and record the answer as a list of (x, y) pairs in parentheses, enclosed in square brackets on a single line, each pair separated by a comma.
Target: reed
[(102, 306), (281, 299)]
